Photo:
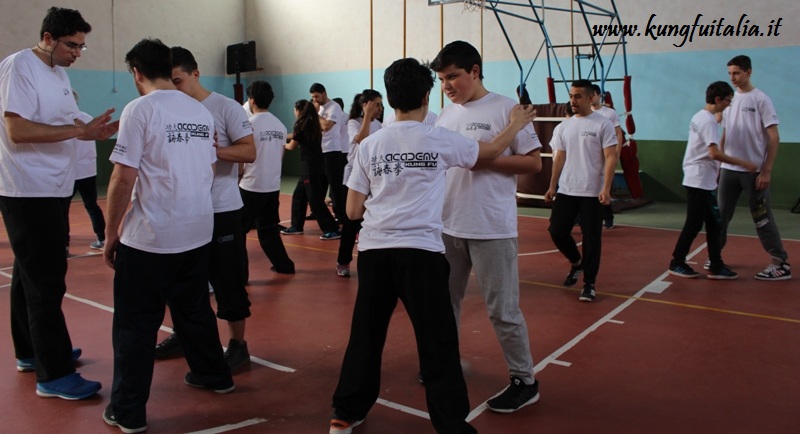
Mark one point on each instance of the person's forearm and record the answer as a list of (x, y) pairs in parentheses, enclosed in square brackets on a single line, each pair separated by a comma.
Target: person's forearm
[(512, 164), (21, 130), (241, 151), (117, 199)]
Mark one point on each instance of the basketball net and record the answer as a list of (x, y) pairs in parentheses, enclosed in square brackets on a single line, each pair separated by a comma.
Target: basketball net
[(474, 5)]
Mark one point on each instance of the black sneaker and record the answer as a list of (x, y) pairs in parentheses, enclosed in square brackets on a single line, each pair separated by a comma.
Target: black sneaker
[(109, 418), (171, 346), (724, 273), (221, 388), (515, 396), (775, 272), (588, 292), (683, 270), (574, 273), (237, 355)]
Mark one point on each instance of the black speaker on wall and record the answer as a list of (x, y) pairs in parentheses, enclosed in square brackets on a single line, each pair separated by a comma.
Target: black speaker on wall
[(241, 57)]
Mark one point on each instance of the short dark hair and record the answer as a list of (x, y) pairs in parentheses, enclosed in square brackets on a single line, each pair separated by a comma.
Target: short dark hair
[(183, 58), (460, 54), (596, 89), (63, 22), (339, 101), (407, 81), (151, 58), (742, 62), (584, 84), (718, 89), (261, 92), (317, 88)]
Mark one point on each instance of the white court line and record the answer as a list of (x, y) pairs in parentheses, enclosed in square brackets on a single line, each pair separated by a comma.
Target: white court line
[(230, 427), (253, 359), (403, 408)]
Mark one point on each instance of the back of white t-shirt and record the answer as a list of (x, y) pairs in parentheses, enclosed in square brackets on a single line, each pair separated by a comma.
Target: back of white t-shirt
[(401, 169), (482, 204), (584, 139), (745, 121), (231, 123), (331, 139), (609, 113), (264, 174), (389, 118), (40, 94), (169, 137), (699, 170)]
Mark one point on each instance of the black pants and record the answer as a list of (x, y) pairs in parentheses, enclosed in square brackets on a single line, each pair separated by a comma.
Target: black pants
[(562, 220), (228, 252), (144, 283), (419, 279), (36, 231), (261, 209), (310, 192), (350, 230), (334, 170), (87, 187), (701, 209)]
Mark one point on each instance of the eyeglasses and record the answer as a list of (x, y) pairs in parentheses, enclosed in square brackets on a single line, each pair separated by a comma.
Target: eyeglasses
[(72, 46)]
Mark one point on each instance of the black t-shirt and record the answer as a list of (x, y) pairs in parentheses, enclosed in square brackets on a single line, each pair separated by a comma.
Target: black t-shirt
[(309, 149)]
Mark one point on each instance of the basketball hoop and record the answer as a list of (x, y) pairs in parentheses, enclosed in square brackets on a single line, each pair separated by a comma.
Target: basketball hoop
[(474, 5)]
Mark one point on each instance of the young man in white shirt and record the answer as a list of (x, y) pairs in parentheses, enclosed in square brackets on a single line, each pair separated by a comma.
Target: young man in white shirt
[(751, 133), (480, 214), (160, 248), (397, 186), (39, 120), (584, 159), (700, 172), (260, 184), (235, 145), (610, 114), (334, 131)]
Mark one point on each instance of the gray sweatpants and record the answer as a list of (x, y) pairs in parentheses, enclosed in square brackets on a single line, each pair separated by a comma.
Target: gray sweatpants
[(731, 186), (495, 263)]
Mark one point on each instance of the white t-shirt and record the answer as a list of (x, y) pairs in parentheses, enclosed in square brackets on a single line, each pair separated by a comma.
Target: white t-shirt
[(353, 127), (608, 113), (389, 117), (39, 94), (745, 122), (345, 139), (231, 124), (169, 137), (264, 174), (246, 107), (85, 154), (482, 204), (699, 170), (331, 139), (401, 169), (583, 138)]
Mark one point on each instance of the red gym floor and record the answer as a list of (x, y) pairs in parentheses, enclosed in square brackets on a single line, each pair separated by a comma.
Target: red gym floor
[(653, 354)]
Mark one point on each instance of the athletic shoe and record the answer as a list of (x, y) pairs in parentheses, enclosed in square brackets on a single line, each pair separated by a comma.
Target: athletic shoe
[(608, 224), (515, 396), (111, 419), (171, 346), (97, 245), (683, 270), (29, 364), (291, 230), (237, 355), (70, 387), (775, 272), (334, 235), (287, 270), (574, 273), (588, 292), (339, 426), (724, 273), (707, 265), (225, 387), (343, 270)]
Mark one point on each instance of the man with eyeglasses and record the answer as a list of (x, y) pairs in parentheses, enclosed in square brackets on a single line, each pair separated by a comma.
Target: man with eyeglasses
[(40, 119)]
